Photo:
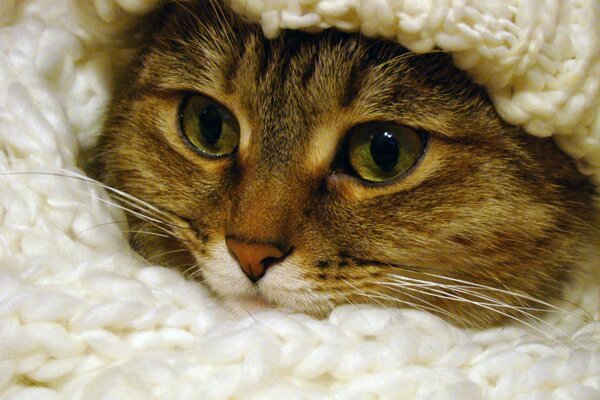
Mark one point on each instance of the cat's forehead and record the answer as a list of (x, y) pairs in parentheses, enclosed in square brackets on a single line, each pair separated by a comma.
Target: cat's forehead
[(232, 57), (290, 89)]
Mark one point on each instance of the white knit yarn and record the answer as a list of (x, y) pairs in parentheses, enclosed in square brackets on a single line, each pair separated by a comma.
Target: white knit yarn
[(83, 317)]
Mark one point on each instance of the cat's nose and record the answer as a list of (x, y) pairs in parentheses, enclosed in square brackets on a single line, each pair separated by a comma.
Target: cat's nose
[(254, 258)]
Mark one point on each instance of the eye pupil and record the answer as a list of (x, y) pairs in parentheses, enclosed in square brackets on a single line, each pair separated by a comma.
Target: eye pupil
[(385, 151), (381, 151), (208, 127), (211, 124)]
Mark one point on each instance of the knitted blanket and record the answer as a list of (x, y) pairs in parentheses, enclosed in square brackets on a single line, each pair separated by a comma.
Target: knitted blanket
[(83, 317)]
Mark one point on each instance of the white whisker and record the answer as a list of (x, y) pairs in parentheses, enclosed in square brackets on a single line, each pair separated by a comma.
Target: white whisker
[(472, 285), (152, 221), (447, 296)]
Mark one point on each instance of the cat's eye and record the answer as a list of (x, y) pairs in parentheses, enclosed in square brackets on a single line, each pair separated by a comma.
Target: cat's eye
[(380, 151), (209, 127)]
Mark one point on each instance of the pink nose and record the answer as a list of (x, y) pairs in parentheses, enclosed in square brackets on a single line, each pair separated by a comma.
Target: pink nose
[(255, 258)]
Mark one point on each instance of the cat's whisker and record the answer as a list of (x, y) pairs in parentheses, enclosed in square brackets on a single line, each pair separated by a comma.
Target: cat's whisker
[(360, 291), (147, 220), (164, 253), (158, 258), (203, 281), (441, 294), (428, 307), (556, 309), (374, 296), (492, 303), (140, 232), (511, 293), (473, 285), (448, 296), (156, 223), (135, 202), (150, 211), (339, 293), (191, 268), (141, 209), (196, 272), (194, 275), (466, 290), (137, 233), (100, 225), (74, 175)]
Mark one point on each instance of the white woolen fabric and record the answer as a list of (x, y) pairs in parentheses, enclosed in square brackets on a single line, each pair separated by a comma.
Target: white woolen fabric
[(83, 317)]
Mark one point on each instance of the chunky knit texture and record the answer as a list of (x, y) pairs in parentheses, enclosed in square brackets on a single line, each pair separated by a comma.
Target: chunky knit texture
[(83, 317)]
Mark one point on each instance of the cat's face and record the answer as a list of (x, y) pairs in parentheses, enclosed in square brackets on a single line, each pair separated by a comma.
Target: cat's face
[(315, 170)]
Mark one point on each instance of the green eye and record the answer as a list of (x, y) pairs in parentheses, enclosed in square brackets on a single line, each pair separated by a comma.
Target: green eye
[(209, 127), (380, 151)]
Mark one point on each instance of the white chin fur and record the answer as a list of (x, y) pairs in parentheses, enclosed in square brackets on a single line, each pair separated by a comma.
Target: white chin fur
[(282, 286)]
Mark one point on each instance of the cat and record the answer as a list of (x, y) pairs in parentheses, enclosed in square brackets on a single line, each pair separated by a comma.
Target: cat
[(319, 169)]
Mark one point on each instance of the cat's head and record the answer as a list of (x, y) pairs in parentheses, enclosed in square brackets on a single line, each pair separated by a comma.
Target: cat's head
[(319, 169)]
